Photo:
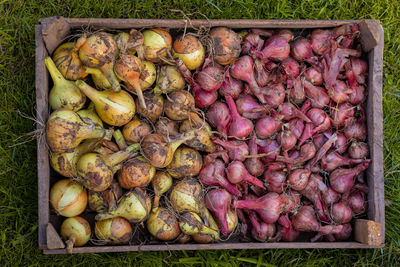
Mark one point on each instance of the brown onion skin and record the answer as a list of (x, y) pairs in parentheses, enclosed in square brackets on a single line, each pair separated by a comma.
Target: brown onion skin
[(135, 173), (135, 130), (167, 127), (226, 44)]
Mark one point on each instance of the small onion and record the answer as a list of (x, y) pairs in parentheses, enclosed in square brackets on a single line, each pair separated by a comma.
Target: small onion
[(185, 196), (155, 40), (167, 127), (68, 198), (154, 106), (67, 60), (226, 45), (163, 225), (190, 50), (135, 172), (179, 104), (114, 231), (90, 116), (169, 79), (135, 130), (161, 183), (185, 162), (148, 75), (76, 232)]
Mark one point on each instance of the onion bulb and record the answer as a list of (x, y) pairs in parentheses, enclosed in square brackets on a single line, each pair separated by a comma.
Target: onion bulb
[(135, 130), (90, 116), (163, 225), (65, 130), (167, 127), (155, 106), (113, 108), (99, 51), (65, 163), (225, 44), (115, 231), (67, 60), (96, 171), (68, 198), (147, 76), (135, 172), (190, 50), (75, 231), (185, 162), (156, 42), (202, 139), (128, 69), (161, 183), (121, 39), (106, 200), (64, 93), (191, 224), (185, 196), (169, 79), (179, 104), (134, 206), (159, 151)]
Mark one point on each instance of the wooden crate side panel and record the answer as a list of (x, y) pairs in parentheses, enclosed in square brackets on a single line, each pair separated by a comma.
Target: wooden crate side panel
[(42, 112)]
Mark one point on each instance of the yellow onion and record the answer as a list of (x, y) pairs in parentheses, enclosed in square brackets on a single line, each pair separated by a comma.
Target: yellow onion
[(226, 45), (130, 43), (190, 50), (121, 39), (209, 222), (65, 130), (67, 60), (167, 127), (64, 93), (185, 196), (76, 232), (158, 150), (68, 198), (232, 219), (99, 51), (156, 42), (128, 69), (202, 139), (135, 172), (116, 231), (113, 108), (148, 75), (161, 183), (169, 79), (185, 162), (96, 171), (98, 78), (105, 200), (106, 147), (183, 239), (65, 163), (155, 106), (135, 130), (179, 105), (134, 206), (163, 225), (191, 224), (90, 116)]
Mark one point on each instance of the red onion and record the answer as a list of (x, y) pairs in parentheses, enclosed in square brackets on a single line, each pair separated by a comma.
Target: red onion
[(213, 174), (261, 231), (342, 180), (319, 140), (341, 213), (286, 34), (218, 202), (204, 98), (269, 147), (287, 140), (307, 152), (291, 201), (242, 69), (296, 126), (318, 95), (249, 108), (323, 149), (321, 41), (342, 114), (359, 68), (239, 127), (297, 93), (345, 233), (288, 234), (330, 196), (268, 206), (252, 43), (210, 77), (298, 179), (289, 111), (260, 73), (357, 94), (254, 165), (341, 143), (219, 116), (237, 174), (276, 48), (266, 127), (357, 131), (219, 152), (275, 166), (361, 185), (339, 92), (244, 225), (320, 119), (273, 95), (275, 181), (358, 150), (313, 193), (314, 76), (357, 202), (290, 67), (231, 86), (237, 150), (302, 51), (270, 65), (334, 160)]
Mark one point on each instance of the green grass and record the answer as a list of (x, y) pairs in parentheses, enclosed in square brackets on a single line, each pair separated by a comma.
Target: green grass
[(18, 187)]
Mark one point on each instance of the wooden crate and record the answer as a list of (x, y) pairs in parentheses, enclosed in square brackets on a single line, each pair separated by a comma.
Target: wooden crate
[(50, 32)]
